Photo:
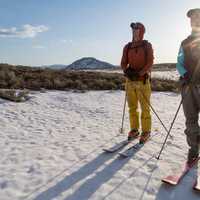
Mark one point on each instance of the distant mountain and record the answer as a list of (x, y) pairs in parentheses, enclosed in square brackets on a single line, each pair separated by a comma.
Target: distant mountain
[(94, 64), (90, 63)]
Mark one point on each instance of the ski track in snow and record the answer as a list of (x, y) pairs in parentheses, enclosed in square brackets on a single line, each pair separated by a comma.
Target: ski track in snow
[(51, 148)]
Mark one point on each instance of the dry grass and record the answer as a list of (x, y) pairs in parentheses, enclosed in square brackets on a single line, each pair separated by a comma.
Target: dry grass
[(14, 95), (20, 77)]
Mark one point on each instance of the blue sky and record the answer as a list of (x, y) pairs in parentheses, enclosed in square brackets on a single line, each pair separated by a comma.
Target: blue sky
[(40, 32)]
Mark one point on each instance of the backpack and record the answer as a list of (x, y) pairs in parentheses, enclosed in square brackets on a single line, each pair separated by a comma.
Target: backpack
[(144, 45)]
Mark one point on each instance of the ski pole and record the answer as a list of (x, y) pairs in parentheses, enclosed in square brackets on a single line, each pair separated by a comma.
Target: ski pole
[(125, 98), (158, 157), (155, 112)]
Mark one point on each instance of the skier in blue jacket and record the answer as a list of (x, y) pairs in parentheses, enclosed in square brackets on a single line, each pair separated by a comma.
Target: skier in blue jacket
[(188, 66)]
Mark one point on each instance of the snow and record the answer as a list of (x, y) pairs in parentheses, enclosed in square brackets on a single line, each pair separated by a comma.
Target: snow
[(170, 74), (51, 148)]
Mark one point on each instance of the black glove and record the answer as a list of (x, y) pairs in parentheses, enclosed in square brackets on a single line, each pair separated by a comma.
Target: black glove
[(131, 74)]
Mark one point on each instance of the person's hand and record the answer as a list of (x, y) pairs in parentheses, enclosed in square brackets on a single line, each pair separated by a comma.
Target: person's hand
[(124, 70), (127, 72), (131, 74)]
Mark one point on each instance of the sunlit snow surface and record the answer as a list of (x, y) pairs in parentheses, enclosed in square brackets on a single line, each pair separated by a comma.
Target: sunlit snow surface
[(51, 148)]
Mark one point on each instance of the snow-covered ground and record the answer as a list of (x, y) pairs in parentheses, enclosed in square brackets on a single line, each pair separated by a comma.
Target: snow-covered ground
[(51, 148), (170, 74)]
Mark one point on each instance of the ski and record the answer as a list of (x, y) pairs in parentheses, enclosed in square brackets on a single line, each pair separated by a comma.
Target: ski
[(131, 150), (196, 185), (117, 147), (174, 179)]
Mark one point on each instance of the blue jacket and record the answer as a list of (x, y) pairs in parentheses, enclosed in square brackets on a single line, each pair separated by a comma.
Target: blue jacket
[(180, 62)]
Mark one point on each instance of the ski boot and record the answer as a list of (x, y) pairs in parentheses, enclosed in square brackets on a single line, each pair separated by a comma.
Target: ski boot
[(192, 157), (144, 137), (133, 134)]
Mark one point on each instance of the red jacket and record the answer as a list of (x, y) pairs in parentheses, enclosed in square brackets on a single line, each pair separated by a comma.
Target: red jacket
[(134, 55), (138, 55)]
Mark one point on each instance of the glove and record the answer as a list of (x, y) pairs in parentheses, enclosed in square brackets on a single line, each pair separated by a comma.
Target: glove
[(131, 74)]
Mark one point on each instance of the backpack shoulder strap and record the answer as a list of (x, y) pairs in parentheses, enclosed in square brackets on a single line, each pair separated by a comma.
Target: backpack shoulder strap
[(128, 47), (145, 45)]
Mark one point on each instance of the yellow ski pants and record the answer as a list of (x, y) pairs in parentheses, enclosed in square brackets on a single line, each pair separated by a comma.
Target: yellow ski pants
[(137, 91)]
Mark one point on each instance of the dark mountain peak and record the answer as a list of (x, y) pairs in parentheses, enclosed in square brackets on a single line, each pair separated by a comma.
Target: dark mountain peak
[(90, 63)]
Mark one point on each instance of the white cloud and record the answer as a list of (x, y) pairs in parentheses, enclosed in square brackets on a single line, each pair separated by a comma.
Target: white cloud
[(27, 31)]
